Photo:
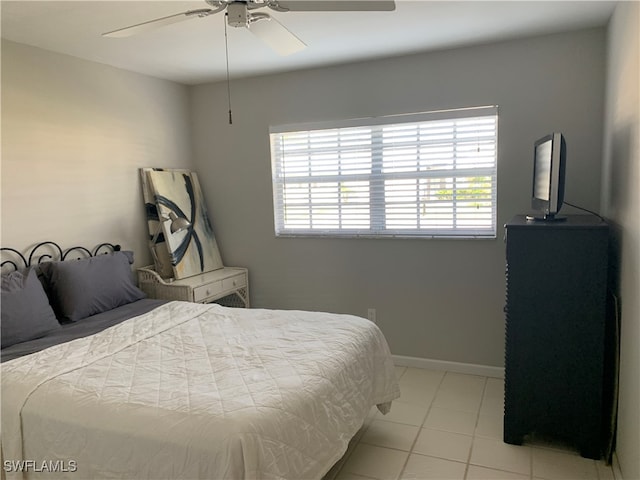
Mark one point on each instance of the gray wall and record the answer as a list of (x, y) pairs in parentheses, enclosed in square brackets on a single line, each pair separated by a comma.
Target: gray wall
[(621, 204), (437, 299), (74, 134)]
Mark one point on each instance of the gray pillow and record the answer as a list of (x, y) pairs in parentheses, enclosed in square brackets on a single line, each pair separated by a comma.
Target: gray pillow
[(26, 313), (81, 288)]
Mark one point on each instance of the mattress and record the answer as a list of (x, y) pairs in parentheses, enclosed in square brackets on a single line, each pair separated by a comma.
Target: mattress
[(196, 391)]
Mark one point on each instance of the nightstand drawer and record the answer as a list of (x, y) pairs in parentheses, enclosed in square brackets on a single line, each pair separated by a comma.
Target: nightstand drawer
[(207, 290), (228, 286), (233, 283)]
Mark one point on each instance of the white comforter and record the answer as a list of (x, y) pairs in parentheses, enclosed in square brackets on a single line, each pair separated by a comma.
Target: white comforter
[(196, 391)]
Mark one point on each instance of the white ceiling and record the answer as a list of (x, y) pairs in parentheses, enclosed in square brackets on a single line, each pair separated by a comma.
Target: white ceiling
[(193, 51)]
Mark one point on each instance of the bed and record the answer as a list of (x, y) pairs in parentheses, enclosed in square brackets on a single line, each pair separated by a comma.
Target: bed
[(127, 387)]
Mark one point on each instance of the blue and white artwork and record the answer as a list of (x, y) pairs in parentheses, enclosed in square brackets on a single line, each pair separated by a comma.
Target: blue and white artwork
[(193, 250), (160, 252)]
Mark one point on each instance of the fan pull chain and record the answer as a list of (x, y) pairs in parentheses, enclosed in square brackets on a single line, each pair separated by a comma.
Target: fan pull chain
[(226, 49)]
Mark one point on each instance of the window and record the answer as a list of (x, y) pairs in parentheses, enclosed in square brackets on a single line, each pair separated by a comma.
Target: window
[(417, 175)]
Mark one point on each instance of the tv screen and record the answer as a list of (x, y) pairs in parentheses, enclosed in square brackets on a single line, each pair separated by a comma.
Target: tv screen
[(549, 162)]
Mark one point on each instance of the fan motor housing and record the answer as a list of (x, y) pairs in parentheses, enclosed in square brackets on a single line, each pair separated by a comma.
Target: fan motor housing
[(237, 14)]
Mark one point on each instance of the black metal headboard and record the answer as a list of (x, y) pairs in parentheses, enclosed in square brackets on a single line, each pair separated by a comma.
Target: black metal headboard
[(49, 251)]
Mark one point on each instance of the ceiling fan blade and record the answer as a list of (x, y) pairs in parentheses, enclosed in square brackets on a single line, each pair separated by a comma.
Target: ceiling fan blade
[(276, 35), (334, 5), (158, 22)]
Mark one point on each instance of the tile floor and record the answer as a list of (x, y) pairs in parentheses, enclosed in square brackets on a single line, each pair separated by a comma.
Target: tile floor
[(449, 426)]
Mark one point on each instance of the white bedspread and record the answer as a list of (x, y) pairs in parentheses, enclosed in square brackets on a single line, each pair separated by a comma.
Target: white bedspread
[(197, 391)]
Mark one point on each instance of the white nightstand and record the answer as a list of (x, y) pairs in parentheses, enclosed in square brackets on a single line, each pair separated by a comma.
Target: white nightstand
[(227, 286)]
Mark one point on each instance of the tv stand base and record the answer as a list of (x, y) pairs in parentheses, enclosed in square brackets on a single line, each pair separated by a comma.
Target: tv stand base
[(545, 218)]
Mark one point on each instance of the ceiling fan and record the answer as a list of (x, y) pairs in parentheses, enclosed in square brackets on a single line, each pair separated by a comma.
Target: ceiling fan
[(264, 26)]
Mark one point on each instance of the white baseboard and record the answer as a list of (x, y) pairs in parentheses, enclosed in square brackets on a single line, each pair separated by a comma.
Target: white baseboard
[(457, 367), (615, 464)]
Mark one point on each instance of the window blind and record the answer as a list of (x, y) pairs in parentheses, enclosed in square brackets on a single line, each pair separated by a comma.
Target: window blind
[(418, 175)]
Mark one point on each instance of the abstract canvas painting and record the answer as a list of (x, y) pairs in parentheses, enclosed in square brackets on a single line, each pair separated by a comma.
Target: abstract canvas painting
[(193, 250), (159, 249)]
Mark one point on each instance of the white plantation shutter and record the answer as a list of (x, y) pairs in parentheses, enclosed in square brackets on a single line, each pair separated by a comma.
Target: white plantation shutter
[(419, 175)]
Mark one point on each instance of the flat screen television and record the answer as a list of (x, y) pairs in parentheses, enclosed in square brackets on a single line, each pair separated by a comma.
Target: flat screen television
[(549, 162)]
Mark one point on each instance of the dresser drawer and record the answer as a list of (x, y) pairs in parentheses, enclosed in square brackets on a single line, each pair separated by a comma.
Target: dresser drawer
[(207, 290), (235, 282)]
